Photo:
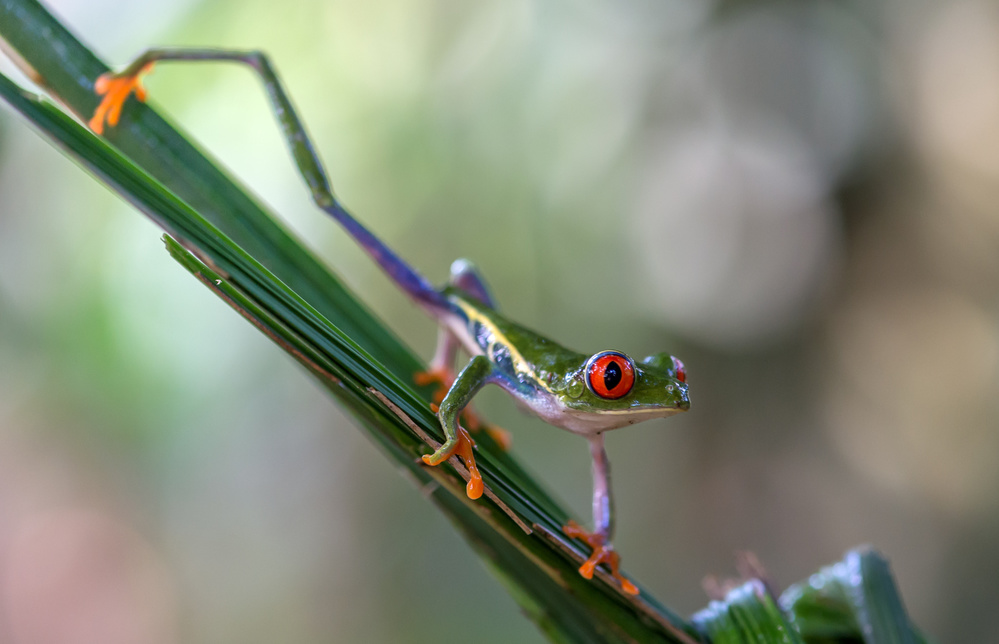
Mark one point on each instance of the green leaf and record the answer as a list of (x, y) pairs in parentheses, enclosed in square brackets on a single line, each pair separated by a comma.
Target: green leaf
[(853, 600), (66, 68), (248, 260), (232, 246), (748, 615)]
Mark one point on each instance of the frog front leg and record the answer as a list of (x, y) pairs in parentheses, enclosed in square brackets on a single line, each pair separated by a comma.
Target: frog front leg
[(473, 377), (440, 371), (603, 521), (466, 277)]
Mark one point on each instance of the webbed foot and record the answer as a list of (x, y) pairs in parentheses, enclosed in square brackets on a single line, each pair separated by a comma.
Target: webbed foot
[(460, 446), (116, 88), (603, 552)]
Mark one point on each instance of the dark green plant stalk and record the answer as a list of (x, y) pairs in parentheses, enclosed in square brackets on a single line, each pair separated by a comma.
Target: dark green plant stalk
[(226, 240)]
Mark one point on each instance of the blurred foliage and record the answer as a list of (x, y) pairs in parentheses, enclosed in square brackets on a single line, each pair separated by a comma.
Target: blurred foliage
[(796, 198)]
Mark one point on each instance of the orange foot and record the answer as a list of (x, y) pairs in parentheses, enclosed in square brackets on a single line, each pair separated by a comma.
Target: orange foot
[(463, 450), (115, 89), (501, 437), (440, 375), (603, 552)]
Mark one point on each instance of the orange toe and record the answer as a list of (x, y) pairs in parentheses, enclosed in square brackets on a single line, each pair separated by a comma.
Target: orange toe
[(463, 449)]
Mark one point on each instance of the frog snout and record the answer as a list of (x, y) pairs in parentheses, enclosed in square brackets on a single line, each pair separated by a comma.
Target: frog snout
[(683, 403)]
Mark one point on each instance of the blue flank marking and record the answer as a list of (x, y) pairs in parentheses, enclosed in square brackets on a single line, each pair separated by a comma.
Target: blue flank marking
[(512, 384), (415, 285)]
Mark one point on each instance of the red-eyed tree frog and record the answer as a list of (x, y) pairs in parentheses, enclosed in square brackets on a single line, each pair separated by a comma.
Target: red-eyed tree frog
[(586, 394)]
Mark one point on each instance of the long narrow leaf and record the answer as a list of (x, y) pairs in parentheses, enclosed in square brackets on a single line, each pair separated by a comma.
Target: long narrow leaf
[(223, 237), (514, 528), (67, 68)]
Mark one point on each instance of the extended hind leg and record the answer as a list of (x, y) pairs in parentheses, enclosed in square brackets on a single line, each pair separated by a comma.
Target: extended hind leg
[(115, 88)]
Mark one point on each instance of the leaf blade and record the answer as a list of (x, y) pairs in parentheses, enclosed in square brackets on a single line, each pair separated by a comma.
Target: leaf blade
[(578, 609)]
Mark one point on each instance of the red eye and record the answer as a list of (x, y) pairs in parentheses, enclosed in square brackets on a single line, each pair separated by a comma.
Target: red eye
[(610, 374), (681, 371)]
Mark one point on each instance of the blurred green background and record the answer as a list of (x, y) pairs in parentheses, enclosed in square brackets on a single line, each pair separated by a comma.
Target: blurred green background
[(799, 199)]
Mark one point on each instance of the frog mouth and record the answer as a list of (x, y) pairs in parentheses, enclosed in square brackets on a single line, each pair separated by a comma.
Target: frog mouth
[(594, 421), (641, 413)]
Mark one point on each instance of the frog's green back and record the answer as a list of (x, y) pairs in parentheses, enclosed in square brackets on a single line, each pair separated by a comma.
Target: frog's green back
[(530, 354)]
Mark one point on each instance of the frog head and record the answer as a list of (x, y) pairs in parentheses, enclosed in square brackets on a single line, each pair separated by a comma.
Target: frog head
[(609, 390)]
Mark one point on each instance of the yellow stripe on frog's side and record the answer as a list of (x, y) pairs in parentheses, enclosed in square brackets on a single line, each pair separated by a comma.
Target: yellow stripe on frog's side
[(520, 364)]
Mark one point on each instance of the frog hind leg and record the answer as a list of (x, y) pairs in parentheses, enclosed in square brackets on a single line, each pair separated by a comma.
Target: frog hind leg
[(116, 87), (478, 373), (603, 522)]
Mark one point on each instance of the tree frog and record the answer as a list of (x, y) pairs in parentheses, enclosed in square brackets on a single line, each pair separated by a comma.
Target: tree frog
[(586, 394)]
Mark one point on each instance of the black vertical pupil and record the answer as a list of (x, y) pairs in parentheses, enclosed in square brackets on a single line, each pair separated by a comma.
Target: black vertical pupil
[(612, 375)]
